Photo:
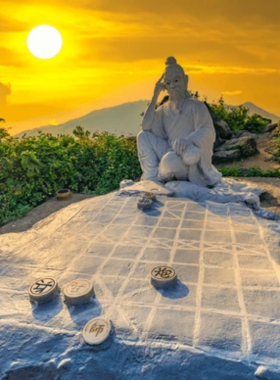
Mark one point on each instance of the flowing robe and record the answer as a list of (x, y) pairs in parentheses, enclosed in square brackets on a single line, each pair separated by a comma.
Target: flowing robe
[(194, 123)]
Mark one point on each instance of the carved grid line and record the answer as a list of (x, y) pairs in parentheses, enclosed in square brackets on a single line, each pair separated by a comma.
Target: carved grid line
[(197, 321), (276, 270), (170, 261), (136, 262), (246, 337), (252, 317), (109, 256)]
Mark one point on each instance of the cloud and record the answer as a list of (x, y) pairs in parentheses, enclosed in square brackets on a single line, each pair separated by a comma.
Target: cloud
[(209, 69), (232, 93), (5, 90)]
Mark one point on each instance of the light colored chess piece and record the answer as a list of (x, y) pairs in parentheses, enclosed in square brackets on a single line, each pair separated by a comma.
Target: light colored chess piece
[(43, 290), (96, 331), (78, 291), (176, 141)]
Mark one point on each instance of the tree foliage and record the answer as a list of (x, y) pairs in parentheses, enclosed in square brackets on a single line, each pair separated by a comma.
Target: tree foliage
[(238, 118), (32, 169)]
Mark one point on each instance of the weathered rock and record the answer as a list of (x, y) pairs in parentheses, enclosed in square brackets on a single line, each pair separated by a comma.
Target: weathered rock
[(225, 156), (270, 127), (223, 130), (235, 149), (274, 132), (218, 141), (243, 133)]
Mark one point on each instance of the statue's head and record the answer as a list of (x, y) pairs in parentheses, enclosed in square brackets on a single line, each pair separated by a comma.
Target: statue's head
[(175, 79)]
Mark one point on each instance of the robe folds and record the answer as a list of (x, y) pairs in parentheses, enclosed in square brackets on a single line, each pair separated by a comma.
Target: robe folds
[(194, 123)]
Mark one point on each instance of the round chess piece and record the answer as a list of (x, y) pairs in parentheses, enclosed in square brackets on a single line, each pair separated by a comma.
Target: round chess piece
[(163, 276), (96, 331), (78, 292), (149, 195), (144, 203), (43, 290)]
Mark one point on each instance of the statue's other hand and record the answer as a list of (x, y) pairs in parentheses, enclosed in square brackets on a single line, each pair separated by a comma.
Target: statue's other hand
[(160, 86), (180, 146)]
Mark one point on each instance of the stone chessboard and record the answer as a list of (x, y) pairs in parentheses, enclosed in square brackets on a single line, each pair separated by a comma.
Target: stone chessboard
[(226, 303)]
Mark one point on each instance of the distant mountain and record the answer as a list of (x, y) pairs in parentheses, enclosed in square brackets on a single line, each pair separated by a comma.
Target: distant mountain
[(254, 109), (121, 119)]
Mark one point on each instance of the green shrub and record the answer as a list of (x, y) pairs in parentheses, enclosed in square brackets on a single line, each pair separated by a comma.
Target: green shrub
[(239, 171), (32, 169), (238, 118)]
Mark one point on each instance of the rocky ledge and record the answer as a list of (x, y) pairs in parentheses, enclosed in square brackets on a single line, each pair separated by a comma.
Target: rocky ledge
[(235, 145)]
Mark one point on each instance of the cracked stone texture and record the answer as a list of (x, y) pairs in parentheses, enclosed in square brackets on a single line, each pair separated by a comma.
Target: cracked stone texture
[(227, 190), (225, 306)]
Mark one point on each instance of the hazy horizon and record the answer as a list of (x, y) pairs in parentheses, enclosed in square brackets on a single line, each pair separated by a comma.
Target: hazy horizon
[(120, 119), (113, 53)]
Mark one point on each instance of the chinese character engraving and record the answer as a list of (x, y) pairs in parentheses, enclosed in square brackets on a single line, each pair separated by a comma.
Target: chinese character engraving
[(76, 286), (163, 272), (98, 329), (43, 285)]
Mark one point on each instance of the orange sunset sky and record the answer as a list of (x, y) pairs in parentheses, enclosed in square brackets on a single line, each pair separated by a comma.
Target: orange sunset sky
[(114, 51)]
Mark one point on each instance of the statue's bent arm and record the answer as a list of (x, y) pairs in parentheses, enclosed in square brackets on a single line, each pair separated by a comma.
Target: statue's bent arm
[(149, 116)]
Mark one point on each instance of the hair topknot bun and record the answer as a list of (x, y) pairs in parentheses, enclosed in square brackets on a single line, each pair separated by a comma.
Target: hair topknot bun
[(170, 61)]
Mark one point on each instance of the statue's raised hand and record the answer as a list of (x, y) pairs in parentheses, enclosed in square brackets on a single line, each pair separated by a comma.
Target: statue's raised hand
[(160, 86)]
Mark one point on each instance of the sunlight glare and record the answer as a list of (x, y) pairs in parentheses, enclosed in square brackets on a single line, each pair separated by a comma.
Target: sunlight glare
[(44, 41)]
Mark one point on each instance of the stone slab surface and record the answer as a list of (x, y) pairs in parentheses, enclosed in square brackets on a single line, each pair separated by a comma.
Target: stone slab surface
[(147, 185), (225, 306), (227, 190)]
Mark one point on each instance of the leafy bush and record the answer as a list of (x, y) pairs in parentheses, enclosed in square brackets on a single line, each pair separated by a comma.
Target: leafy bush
[(238, 118), (239, 171), (32, 169)]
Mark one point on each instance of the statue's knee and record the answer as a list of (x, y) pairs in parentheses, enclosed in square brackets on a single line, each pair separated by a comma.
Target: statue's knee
[(170, 161), (172, 166), (143, 136)]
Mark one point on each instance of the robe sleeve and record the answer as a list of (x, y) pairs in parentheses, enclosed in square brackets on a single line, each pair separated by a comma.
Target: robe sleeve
[(157, 126), (203, 129), (203, 136)]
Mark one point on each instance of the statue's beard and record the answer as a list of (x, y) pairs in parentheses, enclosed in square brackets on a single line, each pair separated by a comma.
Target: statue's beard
[(176, 94)]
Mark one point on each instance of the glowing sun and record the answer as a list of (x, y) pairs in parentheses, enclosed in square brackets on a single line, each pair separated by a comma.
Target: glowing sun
[(44, 41)]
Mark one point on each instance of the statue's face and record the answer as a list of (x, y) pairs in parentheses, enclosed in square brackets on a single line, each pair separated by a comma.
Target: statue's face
[(175, 84)]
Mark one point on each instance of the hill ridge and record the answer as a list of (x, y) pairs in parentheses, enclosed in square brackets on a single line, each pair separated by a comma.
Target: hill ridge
[(124, 119)]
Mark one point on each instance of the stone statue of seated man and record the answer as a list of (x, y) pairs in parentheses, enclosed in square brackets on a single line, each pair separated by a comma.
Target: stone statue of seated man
[(176, 141)]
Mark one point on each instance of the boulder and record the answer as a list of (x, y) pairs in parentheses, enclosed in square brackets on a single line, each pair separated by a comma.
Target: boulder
[(243, 133), (225, 156), (275, 132), (223, 130), (235, 149), (270, 127), (218, 142)]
